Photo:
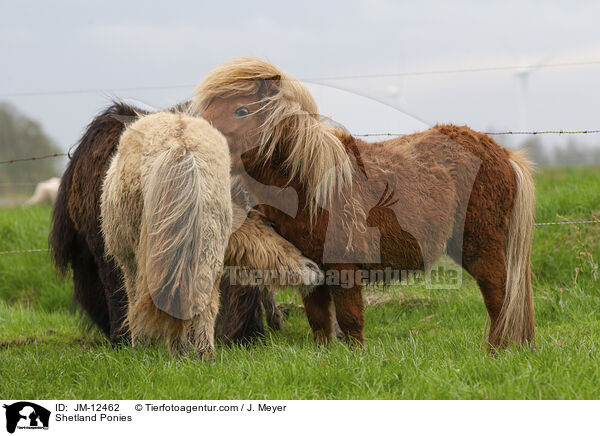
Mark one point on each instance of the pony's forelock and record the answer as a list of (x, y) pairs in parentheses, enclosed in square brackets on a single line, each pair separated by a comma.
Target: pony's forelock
[(313, 150)]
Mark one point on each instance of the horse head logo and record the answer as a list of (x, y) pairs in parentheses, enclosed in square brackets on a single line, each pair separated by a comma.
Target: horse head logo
[(28, 415)]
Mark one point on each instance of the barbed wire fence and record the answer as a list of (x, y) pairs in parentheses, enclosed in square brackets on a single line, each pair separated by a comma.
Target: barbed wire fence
[(316, 79), (25, 159), (539, 132), (362, 135), (536, 132)]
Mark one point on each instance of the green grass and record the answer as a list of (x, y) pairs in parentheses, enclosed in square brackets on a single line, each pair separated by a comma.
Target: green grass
[(568, 255), (421, 343)]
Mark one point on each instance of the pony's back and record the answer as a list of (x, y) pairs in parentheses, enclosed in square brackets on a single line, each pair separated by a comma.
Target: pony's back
[(166, 217)]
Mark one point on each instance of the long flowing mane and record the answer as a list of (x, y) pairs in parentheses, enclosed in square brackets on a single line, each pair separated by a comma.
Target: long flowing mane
[(315, 154)]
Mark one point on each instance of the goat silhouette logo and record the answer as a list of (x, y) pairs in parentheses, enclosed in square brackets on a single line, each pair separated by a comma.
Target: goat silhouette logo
[(26, 415)]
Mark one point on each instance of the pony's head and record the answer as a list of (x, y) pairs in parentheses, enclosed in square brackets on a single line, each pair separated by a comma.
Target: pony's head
[(256, 105)]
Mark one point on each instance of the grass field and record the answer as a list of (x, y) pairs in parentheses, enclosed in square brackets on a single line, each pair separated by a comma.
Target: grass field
[(421, 343)]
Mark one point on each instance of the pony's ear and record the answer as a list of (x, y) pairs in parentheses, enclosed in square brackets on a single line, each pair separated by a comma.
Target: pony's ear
[(270, 86)]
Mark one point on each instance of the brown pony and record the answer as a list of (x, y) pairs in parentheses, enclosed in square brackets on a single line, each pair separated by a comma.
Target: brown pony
[(398, 204)]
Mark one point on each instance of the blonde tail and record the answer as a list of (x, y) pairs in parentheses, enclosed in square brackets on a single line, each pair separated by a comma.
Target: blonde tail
[(185, 239), (516, 322)]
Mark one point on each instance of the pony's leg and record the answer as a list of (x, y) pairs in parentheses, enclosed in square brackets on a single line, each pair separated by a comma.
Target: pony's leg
[(316, 307), (89, 291), (335, 327), (117, 309), (116, 299), (490, 273), (240, 317), (485, 262), (198, 334), (349, 311), (272, 312)]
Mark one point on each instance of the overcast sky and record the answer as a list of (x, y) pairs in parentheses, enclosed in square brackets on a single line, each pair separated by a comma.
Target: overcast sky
[(73, 45)]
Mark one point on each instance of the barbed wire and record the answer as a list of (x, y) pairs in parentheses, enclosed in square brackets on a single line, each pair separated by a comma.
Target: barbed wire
[(24, 159), (568, 222), (31, 250), (362, 135), (509, 132), (313, 79), (546, 132)]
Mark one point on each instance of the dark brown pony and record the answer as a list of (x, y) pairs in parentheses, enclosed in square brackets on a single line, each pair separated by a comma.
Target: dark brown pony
[(76, 241), (362, 206)]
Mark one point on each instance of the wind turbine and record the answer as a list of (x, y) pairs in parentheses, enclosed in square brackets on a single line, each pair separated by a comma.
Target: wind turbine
[(523, 73)]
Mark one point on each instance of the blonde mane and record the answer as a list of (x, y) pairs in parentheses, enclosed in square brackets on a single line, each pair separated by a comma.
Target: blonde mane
[(314, 151)]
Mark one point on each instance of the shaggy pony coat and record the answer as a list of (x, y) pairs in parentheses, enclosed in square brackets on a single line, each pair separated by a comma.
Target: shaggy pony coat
[(400, 203), (77, 243), (166, 218)]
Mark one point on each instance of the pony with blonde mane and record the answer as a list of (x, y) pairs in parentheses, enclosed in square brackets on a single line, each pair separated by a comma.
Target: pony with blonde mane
[(168, 220), (398, 204)]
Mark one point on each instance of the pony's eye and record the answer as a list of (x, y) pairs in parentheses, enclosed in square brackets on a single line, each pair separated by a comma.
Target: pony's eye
[(241, 111)]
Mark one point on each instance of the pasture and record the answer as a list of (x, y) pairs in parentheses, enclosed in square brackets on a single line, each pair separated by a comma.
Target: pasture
[(421, 344)]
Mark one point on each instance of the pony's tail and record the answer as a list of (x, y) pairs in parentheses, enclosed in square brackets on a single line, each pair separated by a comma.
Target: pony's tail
[(516, 323), (63, 234), (180, 264)]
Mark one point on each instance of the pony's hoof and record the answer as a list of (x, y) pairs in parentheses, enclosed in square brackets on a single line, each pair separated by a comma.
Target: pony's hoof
[(321, 338), (200, 353), (275, 320)]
